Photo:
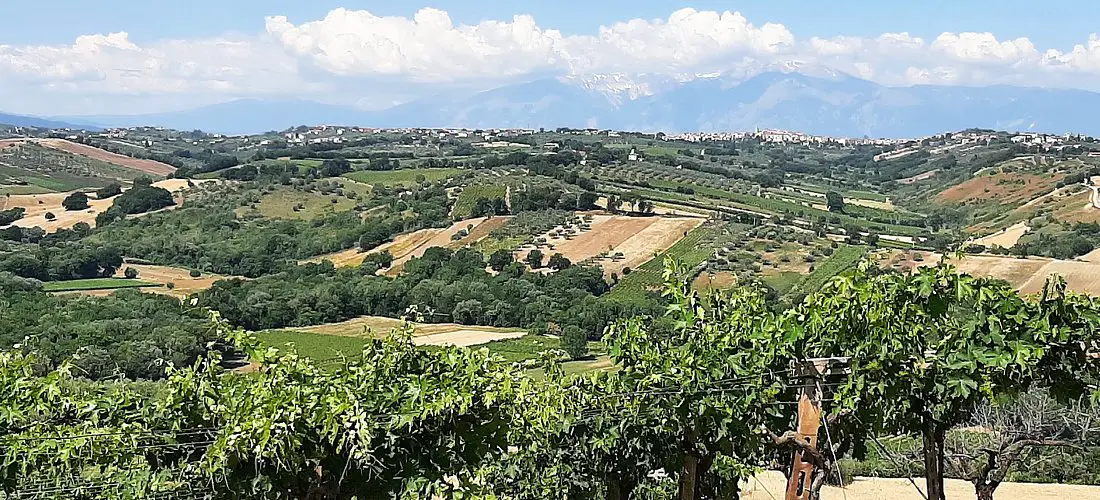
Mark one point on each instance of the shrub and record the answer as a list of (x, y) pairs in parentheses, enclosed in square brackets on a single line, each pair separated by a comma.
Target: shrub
[(50, 216), (195, 273), (130, 273)]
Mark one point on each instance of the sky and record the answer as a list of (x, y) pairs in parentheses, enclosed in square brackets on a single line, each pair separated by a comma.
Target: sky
[(135, 57)]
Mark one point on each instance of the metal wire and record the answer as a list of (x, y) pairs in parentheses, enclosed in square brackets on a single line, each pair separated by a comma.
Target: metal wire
[(832, 451)]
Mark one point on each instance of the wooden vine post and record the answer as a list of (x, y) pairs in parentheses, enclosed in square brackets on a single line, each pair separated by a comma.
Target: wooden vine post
[(810, 373)]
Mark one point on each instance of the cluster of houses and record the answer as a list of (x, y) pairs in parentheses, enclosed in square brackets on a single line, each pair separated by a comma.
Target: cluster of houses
[(782, 137)]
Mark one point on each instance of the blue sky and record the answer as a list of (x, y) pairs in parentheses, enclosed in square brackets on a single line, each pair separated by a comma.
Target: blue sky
[(1060, 26), (137, 56)]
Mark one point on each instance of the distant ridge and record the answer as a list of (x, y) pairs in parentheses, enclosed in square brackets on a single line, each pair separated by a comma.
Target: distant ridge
[(828, 103), (32, 121)]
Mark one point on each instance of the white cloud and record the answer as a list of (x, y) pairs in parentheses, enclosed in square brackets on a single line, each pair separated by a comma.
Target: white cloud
[(354, 56), (985, 48), (428, 47)]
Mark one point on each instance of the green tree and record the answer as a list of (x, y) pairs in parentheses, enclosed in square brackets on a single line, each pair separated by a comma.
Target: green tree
[(112, 189), (558, 262), (500, 259), (75, 201), (535, 258), (574, 342), (927, 348), (834, 201), (130, 273)]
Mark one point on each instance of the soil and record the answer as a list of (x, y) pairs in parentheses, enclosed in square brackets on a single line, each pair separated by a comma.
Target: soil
[(425, 333), (649, 242), (1004, 238), (463, 338), (1013, 189), (185, 285), (771, 485), (36, 206), (638, 238)]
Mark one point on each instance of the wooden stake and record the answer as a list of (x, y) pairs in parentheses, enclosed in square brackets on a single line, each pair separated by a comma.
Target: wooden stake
[(809, 420)]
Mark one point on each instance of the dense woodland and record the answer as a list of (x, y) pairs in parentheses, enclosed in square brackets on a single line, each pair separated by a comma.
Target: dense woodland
[(453, 285)]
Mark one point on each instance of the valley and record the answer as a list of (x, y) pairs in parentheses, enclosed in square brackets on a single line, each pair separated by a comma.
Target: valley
[(319, 249)]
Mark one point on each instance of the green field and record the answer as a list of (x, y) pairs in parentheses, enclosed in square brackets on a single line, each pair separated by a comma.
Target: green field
[(783, 282), (401, 177), (530, 346), (329, 348), (49, 181), (315, 346), (281, 203), (489, 245), (844, 258), (634, 286), (467, 199), (27, 189), (778, 206), (94, 284)]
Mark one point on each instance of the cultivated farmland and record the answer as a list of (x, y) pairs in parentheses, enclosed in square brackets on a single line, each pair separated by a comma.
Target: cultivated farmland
[(182, 283), (615, 242), (38, 205), (147, 166), (367, 327), (407, 177), (414, 244)]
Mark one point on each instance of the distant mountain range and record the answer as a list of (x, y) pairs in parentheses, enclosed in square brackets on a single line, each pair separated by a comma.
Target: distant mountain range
[(827, 103), (33, 121)]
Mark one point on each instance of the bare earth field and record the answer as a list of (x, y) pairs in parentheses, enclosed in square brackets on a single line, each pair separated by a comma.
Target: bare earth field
[(1004, 188), (37, 205), (1004, 238), (147, 166), (425, 333), (1027, 275), (406, 246), (771, 485), (185, 285), (1080, 277), (638, 238)]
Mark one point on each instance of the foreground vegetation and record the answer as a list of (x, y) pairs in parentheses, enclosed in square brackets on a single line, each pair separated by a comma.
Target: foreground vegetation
[(701, 399)]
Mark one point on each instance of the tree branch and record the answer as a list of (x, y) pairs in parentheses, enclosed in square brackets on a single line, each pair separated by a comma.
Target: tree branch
[(791, 438)]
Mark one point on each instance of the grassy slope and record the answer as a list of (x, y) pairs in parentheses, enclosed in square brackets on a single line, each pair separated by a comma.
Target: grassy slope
[(401, 177), (280, 204), (633, 287), (94, 284), (843, 259)]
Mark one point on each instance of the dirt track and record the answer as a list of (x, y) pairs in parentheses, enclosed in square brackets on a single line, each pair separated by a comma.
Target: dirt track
[(771, 485)]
